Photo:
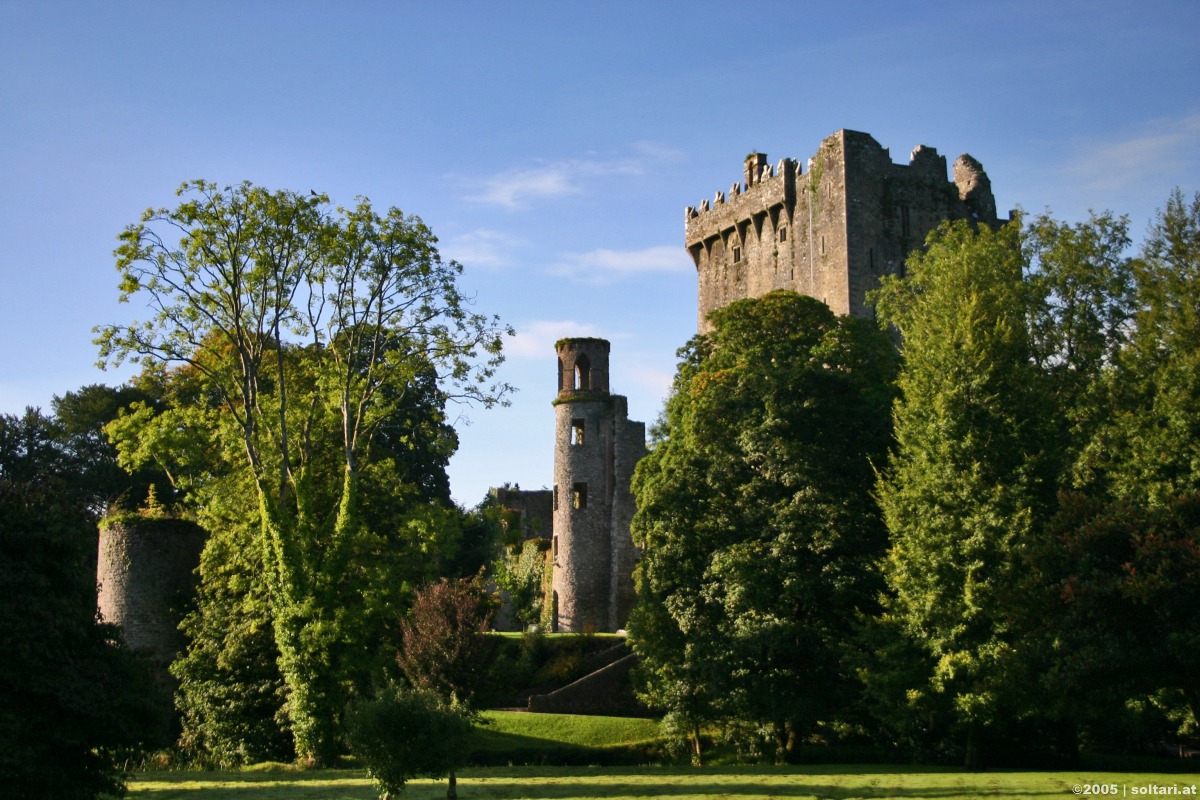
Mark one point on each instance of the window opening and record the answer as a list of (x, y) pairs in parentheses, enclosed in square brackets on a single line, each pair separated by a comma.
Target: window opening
[(737, 254), (583, 373), (783, 234), (577, 428), (579, 496)]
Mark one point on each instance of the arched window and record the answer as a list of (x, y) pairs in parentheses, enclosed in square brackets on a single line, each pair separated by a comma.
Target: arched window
[(583, 373)]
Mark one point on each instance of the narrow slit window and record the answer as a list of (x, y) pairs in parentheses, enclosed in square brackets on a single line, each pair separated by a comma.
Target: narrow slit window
[(556, 497), (577, 429), (737, 255), (783, 234), (579, 496)]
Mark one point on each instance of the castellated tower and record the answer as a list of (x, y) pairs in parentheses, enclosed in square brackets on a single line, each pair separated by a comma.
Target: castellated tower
[(595, 449), (831, 231)]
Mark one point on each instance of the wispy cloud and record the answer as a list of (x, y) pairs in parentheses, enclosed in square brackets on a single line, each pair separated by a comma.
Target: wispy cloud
[(1160, 149), (515, 188), (536, 339), (605, 266), (481, 248)]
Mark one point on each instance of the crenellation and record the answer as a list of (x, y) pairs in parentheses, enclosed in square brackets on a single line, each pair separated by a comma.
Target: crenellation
[(830, 232)]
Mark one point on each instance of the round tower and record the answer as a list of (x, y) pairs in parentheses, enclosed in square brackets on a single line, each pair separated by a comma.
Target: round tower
[(581, 546), (146, 575)]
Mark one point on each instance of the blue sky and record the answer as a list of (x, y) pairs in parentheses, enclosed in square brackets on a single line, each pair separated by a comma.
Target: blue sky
[(551, 146)]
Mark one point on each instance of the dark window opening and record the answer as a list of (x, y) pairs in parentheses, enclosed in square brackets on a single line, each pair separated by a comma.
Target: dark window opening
[(783, 234), (737, 254), (577, 428), (556, 497), (555, 541), (579, 496)]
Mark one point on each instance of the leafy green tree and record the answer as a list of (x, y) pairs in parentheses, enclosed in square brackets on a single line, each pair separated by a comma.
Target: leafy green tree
[(75, 703), (967, 485), (230, 693), (404, 734), (1081, 283), (1150, 451), (301, 318), (758, 531)]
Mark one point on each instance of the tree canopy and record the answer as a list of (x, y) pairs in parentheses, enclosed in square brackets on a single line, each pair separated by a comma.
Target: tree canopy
[(754, 516), (301, 320)]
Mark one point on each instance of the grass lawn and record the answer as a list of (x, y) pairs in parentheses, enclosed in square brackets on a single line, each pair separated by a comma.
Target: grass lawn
[(735, 783), (572, 729)]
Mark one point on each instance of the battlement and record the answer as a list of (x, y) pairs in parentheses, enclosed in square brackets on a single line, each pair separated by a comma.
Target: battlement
[(830, 231)]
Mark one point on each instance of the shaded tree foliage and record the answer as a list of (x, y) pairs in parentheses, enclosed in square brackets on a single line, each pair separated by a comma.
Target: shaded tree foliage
[(75, 702), (759, 535)]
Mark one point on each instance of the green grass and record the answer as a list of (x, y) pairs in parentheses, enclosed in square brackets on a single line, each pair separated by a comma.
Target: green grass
[(735, 783), (523, 738), (585, 731)]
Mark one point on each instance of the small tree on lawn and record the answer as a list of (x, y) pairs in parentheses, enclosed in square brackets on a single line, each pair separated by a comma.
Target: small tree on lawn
[(406, 734)]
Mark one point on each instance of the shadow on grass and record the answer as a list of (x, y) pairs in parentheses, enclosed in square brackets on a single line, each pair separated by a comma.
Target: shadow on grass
[(497, 749), (566, 783)]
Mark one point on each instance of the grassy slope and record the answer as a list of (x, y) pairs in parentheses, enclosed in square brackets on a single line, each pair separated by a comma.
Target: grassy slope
[(524, 738), (680, 783)]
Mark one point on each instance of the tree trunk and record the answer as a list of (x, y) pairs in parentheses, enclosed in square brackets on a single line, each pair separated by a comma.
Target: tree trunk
[(452, 787), (974, 755)]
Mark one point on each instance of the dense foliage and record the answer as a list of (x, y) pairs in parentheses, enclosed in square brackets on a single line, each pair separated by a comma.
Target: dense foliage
[(405, 734), (1040, 564), (309, 333), (754, 512), (75, 703)]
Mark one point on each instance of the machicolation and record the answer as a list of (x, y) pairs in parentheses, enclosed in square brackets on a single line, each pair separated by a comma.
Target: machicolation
[(829, 231)]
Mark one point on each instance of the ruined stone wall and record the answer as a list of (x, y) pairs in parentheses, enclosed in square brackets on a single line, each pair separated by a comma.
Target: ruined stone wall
[(829, 231), (533, 510), (147, 576), (629, 440)]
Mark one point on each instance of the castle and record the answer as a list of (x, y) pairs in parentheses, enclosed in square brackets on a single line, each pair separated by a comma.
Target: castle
[(830, 231)]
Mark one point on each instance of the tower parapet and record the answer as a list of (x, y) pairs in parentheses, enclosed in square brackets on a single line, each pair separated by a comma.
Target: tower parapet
[(831, 231)]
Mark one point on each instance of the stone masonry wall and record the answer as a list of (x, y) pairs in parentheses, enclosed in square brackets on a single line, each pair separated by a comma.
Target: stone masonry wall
[(146, 576), (830, 231), (595, 448)]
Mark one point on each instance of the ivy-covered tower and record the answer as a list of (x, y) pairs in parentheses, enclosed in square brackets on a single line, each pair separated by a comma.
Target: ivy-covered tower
[(596, 447)]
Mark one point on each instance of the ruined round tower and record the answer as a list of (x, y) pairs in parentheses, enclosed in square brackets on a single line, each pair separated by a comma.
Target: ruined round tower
[(146, 576), (596, 448)]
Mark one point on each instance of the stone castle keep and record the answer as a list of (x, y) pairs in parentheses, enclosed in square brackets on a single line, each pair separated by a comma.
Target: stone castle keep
[(829, 230)]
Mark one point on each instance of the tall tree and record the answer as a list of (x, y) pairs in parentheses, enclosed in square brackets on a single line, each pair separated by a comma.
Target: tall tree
[(1150, 452), (966, 485), (754, 514), (368, 308)]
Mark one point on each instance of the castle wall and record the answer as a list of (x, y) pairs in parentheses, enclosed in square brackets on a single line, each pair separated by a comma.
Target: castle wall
[(830, 231), (146, 576), (629, 446)]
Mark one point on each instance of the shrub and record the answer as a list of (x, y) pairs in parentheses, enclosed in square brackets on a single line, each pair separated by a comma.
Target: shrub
[(406, 734)]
